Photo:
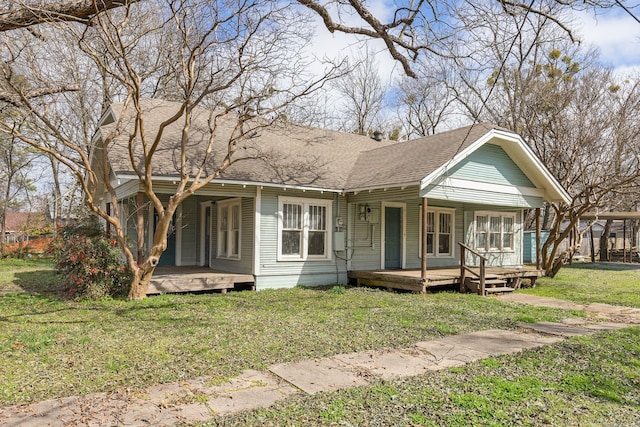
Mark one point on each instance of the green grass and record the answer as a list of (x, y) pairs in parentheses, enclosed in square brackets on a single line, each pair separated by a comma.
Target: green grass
[(52, 347), (585, 381), (610, 283), (27, 275)]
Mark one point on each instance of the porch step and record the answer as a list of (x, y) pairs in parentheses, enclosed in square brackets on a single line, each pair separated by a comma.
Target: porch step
[(498, 290), (491, 285)]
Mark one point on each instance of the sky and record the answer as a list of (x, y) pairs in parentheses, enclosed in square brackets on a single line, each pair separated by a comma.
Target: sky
[(616, 34), (613, 31)]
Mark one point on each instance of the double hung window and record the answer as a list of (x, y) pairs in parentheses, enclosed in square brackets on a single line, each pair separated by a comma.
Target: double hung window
[(303, 229), (229, 219), (440, 223)]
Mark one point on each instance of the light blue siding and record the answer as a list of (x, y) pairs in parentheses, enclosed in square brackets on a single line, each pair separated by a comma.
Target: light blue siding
[(490, 163), (466, 195), (274, 273)]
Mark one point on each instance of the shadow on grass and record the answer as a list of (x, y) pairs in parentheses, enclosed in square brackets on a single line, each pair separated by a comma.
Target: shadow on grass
[(46, 282), (609, 266)]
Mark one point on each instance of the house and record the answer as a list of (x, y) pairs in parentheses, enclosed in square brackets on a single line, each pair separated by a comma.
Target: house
[(311, 206)]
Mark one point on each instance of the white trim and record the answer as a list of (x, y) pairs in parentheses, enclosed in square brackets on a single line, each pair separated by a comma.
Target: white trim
[(257, 231), (503, 139), (229, 204), (203, 231), (403, 244), (223, 182), (305, 202), (437, 210), (487, 186), (386, 187)]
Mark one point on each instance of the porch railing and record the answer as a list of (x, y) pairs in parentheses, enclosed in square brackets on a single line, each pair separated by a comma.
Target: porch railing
[(464, 268)]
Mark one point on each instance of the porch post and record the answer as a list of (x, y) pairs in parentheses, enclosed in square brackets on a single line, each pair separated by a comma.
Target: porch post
[(108, 224), (624, 240), (140, 225), (423, 236), (538, 261)]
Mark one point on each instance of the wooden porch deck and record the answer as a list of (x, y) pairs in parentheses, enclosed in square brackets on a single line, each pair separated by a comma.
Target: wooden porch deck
[(195, 279), (410, 280)]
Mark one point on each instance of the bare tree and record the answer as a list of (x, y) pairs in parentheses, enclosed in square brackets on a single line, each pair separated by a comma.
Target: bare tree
[(583, 125), (413, 28), (363, 95), (17, 165), (235, 61), (426, 104)]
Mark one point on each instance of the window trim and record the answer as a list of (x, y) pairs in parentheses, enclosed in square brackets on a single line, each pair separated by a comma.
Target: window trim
[(306, 203), (436, 210), (502, 216), (229, 204)]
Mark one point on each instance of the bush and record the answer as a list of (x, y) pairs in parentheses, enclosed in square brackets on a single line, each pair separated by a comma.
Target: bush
[(90, 261)]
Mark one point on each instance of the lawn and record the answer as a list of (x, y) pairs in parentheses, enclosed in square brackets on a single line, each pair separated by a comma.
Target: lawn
[(53, 347), (585, 381), (610, 283), (29, 275)]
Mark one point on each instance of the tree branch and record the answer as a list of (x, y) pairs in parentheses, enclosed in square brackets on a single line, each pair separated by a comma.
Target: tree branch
[(15, 100), (26, 15)]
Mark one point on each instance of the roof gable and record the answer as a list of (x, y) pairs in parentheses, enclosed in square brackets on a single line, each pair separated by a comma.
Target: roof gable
[(490, 163)]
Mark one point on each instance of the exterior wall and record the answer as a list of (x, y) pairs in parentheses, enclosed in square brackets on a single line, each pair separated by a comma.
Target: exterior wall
[(285, 274), (188, 230), (490, 163), (495, 259), (365, 238)]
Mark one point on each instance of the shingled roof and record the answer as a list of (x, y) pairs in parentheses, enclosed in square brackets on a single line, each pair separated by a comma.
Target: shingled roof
[(287, 154)]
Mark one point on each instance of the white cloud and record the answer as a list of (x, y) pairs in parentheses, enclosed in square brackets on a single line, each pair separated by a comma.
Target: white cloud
[(616, 34)]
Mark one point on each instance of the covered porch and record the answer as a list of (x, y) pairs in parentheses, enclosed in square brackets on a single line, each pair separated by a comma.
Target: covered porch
[(196, 279)]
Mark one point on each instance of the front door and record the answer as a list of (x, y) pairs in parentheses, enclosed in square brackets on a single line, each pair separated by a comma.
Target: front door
[(392, 238), (168, 257)]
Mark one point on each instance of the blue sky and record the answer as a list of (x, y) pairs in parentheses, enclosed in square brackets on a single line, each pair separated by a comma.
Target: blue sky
[(616, 34), (613, 31)]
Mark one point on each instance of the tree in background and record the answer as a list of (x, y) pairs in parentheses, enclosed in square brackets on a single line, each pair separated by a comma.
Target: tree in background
[(237, 61), (362, 96), (582, 123), (17, 175)]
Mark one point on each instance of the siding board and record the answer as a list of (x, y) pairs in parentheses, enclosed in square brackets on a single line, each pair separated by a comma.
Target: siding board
[(490, 163)]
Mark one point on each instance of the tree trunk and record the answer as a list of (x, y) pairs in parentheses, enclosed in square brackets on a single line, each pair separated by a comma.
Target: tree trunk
[(142, 274), (604, 241), (140, 283)]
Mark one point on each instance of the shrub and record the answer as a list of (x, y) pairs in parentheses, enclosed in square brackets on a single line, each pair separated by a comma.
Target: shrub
[(90, 261)]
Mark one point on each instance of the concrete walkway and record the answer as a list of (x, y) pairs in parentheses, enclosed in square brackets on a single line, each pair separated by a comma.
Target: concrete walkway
[(199, 400)]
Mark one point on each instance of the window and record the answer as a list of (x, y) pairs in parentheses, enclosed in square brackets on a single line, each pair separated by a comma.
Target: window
[(303, 230), (439, 232), (495, 231), (229, 218)]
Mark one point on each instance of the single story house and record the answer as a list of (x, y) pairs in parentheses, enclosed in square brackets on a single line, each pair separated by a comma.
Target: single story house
[(308, 206)]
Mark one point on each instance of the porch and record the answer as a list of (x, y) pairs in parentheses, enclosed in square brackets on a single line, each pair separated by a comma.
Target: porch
[(497, 278), (195, 279)]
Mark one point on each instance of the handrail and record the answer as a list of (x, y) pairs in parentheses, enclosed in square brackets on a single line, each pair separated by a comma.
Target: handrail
[(464, 268)]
